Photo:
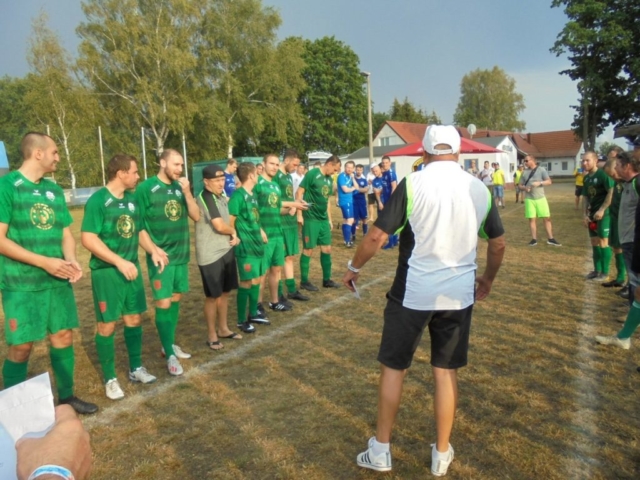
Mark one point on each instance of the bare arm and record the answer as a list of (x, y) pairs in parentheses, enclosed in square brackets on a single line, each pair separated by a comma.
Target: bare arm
[(299, 195), (69, 253), (192, 206), (607, 201), (495, 253), (93, 243), (159, 257), (365, 252)]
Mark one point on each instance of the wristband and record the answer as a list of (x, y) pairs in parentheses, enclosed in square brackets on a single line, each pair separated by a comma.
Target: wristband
[(52, 470), (352, 268)]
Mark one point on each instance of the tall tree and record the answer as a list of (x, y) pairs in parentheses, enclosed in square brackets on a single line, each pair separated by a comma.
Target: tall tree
[(334, 103), (16, 118), (489, 100), (407, 112)]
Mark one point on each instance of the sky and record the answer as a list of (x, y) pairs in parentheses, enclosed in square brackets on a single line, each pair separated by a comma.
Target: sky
[(419, 49)]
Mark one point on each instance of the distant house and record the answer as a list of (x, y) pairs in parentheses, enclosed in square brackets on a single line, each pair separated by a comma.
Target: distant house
[(4, 161), (508, 158)]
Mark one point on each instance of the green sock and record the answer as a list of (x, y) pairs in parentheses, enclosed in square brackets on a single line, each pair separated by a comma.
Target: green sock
[(133, 340), (254, 293), (166, 330), (63, 362), (291, 285), (107, 355), (621, 268), (242, 300), (325, 262), (14, 372), (280, 289), (605, 258), (305, 261), (632, 321), (175, 313), (596, 259)]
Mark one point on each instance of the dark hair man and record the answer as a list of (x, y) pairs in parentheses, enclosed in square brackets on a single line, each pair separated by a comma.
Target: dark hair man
[(230, 177)]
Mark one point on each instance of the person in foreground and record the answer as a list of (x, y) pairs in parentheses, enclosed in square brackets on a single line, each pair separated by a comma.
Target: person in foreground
[(434, 284), (64, 452)]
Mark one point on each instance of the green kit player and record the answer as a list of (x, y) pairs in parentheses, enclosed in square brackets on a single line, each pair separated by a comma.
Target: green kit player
[(166, 203), (244, 217), (111, 231), (39, 266), (315, 190), (614, 233), (597, 192)]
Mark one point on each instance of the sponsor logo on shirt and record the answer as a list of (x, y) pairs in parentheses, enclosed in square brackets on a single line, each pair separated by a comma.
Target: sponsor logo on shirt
[(125, 226), (173, 210), (50, 196), (37, 193), (178, 193), (155, 188), (42, 216), (108, 202), (18, 182), (132, 207)]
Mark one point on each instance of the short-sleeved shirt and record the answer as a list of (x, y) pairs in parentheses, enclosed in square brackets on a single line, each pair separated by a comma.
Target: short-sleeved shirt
[(285, 182), (614, 208), (344, 198), (269, 199), (116, 221), (165, 217), (498, 177), (244, 206), (627, 212), (36, 215), (370, 177), (359, 197), (388, 178), (517, 176), (317, 190), (579, 174), (210, 244), (595, 188), (377, 184), (486, 176), (229, 184), (539, 175)]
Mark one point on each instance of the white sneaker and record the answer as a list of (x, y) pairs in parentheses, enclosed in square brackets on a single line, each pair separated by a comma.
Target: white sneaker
[(173, 365), (440, 461), (141, 375), (178, 352), (381, 463), (113, 390), (624, 343)]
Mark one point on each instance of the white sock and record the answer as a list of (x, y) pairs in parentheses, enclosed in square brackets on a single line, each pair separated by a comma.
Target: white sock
[(441, 455), (379, 448)]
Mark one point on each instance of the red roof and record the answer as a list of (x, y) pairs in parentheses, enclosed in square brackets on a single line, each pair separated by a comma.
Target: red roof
[(414, 132), (563, 143), (466, 146)]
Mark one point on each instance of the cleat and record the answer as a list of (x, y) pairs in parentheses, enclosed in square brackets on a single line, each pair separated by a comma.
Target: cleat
[(284, 300), (246, 327), (623, 343), (173, 366), (259, 319), (591, 275), (330, 284), (113, 390), (553, 242), (141, 375), (533, 243), (279, 307), (612, 283), (308, 286), (178, 352), (80, 406), (298, 296)]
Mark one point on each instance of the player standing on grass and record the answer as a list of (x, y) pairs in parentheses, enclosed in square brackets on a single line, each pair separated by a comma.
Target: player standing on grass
[(390, 182), (441, 211), (230, 177), (38, 267), (614, 233), (315, 190), (111, 231), (360, 203), (346, 187), (166, 205)]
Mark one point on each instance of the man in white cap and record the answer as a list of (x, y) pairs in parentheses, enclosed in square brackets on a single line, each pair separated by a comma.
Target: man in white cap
[(434, 285)]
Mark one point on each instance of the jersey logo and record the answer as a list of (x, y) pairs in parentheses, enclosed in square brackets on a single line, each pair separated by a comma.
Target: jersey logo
[(37, 193), (247, 267), (178, 193), (157, 284), (18, 182), (155, 188), (325, 191), (132, 207), (13, 324), (273, 200), (289, 191), (50, 196), (256, 214), (125, 226), (108, 202), (42, 216), (173, 210), (102, 306)]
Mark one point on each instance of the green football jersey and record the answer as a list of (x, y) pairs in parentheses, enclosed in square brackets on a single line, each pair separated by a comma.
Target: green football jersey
[(596, 186), (269, 205), (614, 208), (165, 217), (36, 214), (244, 207), (116, 222), (318, 188), (285, 182)]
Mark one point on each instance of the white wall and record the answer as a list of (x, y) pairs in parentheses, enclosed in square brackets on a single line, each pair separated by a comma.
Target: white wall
[(387, 136)]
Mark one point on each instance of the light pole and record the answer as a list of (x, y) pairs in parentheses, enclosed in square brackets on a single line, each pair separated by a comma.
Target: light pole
[(368, 75)]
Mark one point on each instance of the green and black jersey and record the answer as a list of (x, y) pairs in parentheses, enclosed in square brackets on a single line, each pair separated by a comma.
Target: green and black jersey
[(285, 182), (244, 207), (269, 205), (318, 188), (596, 186)]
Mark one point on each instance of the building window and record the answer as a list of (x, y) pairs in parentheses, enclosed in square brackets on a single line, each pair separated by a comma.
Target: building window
[(549, 167), (565, 165), (384, 141)]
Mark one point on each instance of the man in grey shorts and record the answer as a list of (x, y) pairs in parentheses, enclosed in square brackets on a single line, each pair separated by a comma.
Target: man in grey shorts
[(214, 254)]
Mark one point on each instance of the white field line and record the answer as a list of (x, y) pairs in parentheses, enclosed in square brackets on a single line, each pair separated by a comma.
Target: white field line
[(108, 415)]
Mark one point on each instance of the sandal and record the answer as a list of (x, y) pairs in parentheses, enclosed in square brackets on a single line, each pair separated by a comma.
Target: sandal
[(215, 345), (233, 336)]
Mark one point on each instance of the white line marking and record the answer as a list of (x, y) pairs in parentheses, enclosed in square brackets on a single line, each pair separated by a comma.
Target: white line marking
[(108, 415)]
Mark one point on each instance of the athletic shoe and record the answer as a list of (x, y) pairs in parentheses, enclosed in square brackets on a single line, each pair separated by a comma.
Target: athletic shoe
[(246, 327), (380, 463), (623, 343), (284, 300), (388, 246), (80, 406), (259, 319), (348, 244), (113, 390), (279, 307), (612, 283), (602, 277), (298, 296), (330, 284), (141, 375), (591, 275), (178, 352), (624, 294), (553, 242), (261, 311), (533, 243), (308, 286), (173, 366), (439, 465)]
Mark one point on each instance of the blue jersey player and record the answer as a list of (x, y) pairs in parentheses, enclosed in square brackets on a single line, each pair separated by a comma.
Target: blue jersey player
[(360, 202), (230, 177), (390, 181), (346, 187)]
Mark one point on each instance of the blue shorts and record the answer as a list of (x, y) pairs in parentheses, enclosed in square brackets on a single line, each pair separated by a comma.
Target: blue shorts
[(498, 191), (360, 211), (347, 210)]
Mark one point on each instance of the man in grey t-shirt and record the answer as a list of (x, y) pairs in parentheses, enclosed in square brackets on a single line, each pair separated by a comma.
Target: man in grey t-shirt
[(627, 169), (214, 254), (535, 203)]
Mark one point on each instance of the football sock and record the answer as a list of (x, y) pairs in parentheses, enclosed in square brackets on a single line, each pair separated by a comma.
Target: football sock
[(354, 229), (605, 259), (14, 373), (107, 355), (305, 261), (632, 321), (133, 340), (254, 293), (346, 232), (365, 228), (596, 259), (280, 289), (63, 363), (166, 330), (621, 268), (175, 313), (291, 285), (241, 301), (378, 448), (325, 262)]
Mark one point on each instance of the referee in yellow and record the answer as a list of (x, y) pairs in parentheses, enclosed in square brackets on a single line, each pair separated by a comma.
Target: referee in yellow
[(579, 174)]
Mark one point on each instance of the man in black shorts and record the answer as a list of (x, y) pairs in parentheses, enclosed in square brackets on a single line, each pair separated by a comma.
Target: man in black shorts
[(215, 256), (434, 284)]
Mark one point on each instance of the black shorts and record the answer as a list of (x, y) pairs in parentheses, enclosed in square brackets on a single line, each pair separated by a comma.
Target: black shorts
[(578, 191), (402, 331), (371, 199), (220, 276)]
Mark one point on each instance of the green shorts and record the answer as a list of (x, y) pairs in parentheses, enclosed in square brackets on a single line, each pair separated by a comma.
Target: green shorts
[(30, 316), (291, 243), (250, 268), (114, 295), (173, 279), (316, 233), (614, 237), (536, 208), (603, 228), (273, 254)]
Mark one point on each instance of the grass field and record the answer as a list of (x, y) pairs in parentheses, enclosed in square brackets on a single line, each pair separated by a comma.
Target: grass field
[(297, 400)]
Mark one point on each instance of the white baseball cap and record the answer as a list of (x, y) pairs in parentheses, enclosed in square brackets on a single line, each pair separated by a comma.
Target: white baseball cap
[(441, 134)]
